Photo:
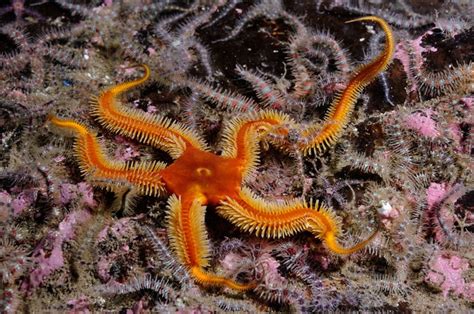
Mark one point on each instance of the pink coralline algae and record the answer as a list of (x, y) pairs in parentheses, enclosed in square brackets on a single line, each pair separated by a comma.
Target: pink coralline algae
[(82, 191), (23, 200), (19, 203), (120, 230), (230, 262), (435, 193), (446, 272), (271, 276), (48, 260), (78, 306), (422, 123)]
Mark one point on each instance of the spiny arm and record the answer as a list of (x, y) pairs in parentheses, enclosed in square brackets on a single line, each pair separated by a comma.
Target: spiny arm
[(188, 238), (144, 178), (158, 131), (282, 219), (318, 138), (269, 96), (242, 135)]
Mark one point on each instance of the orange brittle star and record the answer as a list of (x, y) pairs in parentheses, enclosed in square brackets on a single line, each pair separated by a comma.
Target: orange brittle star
[(198, 177)]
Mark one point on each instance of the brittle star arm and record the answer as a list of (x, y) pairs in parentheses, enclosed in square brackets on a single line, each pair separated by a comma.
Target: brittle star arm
[(188, 238), (158, 131), (141, 177), (241, 137), (319, 137), (281, 219)]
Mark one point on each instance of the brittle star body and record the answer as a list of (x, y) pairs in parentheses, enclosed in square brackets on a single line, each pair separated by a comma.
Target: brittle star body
[(198, 178)]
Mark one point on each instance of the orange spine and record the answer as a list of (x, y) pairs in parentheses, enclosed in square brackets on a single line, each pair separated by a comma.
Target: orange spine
[(100, 170), (337, 118), (188, 238), (208, 279), (154, 130), (242, 135), (281, 219)]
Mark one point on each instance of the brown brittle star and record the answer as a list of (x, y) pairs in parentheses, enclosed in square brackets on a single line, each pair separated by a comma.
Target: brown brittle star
[(198, 177)]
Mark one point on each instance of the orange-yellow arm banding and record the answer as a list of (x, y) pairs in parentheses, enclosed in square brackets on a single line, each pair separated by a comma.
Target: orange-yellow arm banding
[(318, 138), (281, 219), (158, 131), (188, 239), (144, 178)]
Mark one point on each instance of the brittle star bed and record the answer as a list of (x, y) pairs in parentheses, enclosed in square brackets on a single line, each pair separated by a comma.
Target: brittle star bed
[(198, 178)]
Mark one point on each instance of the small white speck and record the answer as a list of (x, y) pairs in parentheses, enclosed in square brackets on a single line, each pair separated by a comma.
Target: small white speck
[(249, 49), (385, 209), (362, 39)]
